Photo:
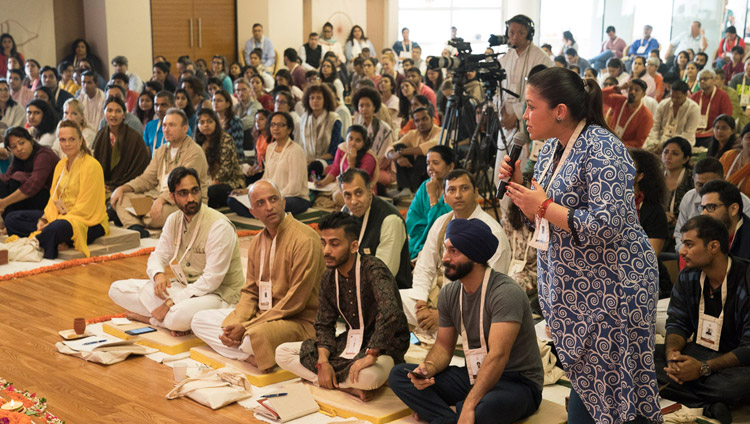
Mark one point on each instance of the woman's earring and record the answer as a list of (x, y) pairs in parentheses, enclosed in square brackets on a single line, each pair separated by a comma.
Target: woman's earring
[(558, 120)]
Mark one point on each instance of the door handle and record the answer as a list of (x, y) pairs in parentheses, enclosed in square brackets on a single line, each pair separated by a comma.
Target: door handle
[(200, 34), (191, 32)]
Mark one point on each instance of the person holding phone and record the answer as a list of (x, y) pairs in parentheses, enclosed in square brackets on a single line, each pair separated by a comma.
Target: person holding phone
[(502, 379)]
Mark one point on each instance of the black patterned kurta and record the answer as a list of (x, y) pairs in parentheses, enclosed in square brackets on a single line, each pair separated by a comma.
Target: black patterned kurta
[(385, 323)]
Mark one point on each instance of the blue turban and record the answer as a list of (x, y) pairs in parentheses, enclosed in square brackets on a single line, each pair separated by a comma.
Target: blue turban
[(473, 238)]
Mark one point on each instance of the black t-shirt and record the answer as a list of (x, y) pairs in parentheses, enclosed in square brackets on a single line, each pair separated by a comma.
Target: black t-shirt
[(654, 220)]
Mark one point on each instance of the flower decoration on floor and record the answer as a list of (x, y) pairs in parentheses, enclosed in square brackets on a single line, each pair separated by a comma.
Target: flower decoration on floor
[(29, 406)]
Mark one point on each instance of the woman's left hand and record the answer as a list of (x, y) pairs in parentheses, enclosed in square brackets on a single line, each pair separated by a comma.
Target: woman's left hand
[(526, 199)]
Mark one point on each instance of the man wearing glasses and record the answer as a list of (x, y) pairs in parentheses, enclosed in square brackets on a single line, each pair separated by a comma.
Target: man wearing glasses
[(723, 201), (712, 102), (200, 246)]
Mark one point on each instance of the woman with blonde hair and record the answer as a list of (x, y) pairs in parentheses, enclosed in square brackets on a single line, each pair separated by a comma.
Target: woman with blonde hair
[(73, 111), (76, 213)]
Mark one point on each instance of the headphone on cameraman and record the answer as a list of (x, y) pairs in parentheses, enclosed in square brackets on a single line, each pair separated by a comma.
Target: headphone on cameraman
[(523, 20)]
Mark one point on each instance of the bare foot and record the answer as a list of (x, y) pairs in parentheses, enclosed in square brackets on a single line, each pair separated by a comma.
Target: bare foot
[(180, 333), (363, 395), (137, 317), (62, 246), (251, 360)]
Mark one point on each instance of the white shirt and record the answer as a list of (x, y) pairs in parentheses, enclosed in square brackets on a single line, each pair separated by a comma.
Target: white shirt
[(518, 68), (690, 207), (288, 169), (93, 108), (220, 244), (686, 122), (135, 83), (429, 258)]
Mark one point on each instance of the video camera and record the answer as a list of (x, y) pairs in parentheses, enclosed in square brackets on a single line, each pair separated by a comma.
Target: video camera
[(488, 69)]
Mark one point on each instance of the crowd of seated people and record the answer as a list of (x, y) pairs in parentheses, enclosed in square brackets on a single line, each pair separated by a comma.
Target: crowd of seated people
[(80, 147)]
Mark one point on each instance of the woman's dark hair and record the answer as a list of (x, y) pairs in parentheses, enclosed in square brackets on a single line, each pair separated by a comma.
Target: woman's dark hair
[(329, 100), (19, 132), (49, 120), (10, 102), (713, 147), (569, 36), (642, 59), (265, 130), (331, 78), (228, 113), (404, 106), (48, 92), (229, 71), (13, 48), (351, 33), (284, 73), (211, 143), (189, 110), (359, 129), (593, 71), (391, 80), (144, 115), (654, 188), (223, 63), (684, 145), (289, 123), (445, 152), (582, 97), (75, 45), (119, 101), (439, 83), (371, 94)]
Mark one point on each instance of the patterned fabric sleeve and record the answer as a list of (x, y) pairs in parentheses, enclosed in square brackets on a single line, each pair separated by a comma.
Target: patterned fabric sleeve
[(235, 130), (325, 323), (390, 317), (229, 167)]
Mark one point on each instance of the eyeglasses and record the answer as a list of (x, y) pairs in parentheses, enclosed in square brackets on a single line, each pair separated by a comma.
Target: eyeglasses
[(184, 193), (710, 207), (278, 124)]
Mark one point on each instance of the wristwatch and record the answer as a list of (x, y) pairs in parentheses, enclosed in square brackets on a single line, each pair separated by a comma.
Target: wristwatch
[(169, 302), (705, 369)]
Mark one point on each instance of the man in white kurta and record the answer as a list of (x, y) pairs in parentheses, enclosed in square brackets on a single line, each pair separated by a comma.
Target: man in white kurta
[(420, 301), (677, 116), (201, 247)]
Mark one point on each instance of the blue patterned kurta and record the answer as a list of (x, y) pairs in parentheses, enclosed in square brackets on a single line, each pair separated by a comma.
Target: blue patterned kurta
[(598, 283)]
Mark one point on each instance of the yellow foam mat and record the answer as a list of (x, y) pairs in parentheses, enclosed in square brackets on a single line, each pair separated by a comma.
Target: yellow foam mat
[(208, 356), (159, 339), (383, 408), (548, 413)]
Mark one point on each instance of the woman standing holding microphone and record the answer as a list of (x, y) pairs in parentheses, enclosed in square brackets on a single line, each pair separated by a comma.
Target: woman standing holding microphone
[(597, 272)]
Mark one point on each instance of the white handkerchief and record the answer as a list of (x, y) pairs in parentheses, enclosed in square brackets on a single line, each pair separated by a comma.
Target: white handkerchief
[(120, 321)]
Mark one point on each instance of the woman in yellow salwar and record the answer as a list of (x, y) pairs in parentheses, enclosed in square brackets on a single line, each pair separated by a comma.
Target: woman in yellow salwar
[(76, 213)]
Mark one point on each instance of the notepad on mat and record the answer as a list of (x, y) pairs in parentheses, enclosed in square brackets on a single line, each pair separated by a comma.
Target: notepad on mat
[(298, 402)]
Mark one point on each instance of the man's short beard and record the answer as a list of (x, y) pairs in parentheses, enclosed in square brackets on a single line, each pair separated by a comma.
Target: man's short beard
[(457, 272)]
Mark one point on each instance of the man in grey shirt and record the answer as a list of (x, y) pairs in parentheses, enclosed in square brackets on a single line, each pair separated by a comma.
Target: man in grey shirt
[(502, 379)]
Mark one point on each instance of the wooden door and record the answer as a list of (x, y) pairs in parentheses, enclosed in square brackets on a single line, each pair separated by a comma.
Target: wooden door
[(216, 29), (170, 29)]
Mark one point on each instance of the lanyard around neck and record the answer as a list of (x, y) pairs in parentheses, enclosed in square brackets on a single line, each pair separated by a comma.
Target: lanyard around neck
[(359, 295), (482, 341)]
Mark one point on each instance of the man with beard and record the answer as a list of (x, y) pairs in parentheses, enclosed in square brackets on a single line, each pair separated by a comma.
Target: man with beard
[(628, 117), (360, 290), (723, 201), (501, 381), (201, 247)]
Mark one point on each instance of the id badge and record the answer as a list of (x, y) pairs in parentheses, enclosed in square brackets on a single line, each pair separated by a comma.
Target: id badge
[(710, 333), (516, 266), (703, 123), (619, 131), (265, 295), (669, 131), (745, 99), (353, 343), (474, 361), (536, 147), (540, 239), (641, 49), (179, 274)]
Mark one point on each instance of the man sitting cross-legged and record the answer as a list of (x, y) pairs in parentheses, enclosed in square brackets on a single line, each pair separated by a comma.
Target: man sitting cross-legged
[(503, 376), (200, 245), (361, 290), (280, 298)]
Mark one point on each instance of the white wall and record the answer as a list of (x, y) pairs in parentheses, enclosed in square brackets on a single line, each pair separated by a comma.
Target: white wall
[(343, 14), (129, 29), (250, 12), (285, 25), (31, 23)]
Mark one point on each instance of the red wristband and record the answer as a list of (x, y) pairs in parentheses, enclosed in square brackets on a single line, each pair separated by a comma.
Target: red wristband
[(319, 364), (543, 208)]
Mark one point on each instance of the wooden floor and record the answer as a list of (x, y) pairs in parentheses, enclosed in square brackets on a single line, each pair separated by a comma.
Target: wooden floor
[(34, 309)]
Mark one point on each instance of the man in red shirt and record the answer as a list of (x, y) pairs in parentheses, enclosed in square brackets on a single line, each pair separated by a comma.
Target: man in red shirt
[(629, 118), (713, 102), (414, 75)]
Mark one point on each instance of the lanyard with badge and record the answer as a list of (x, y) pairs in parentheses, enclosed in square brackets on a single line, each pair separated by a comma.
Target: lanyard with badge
[(365, 250), (709, 328), (474, 357), (642, 48), (540, 239), (179, 273), (703, 123), (265, 289), (674, 193), (671, 126), (744, 93), (354, 337), (620, 129)]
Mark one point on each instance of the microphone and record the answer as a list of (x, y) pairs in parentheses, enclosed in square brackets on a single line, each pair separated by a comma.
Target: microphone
[(519, 141)]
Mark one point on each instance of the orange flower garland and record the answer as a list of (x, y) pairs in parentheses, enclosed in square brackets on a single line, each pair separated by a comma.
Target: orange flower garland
[(8, 417)]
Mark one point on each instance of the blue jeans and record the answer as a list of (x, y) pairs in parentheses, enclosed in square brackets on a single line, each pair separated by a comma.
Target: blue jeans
[(599, 61), (513, 398), (295, 205)]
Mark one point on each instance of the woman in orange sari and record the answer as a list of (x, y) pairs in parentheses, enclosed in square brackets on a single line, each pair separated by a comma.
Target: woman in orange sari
[(737, 163)]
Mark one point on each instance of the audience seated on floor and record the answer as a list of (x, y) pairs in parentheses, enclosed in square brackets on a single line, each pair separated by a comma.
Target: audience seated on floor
[(130, 120), (75, 214), (368, 103), (632, 128), (722, 200), (208, 268), (383, 232), (709, 305), (247, 105), (179, 150), (320, 128), (409, 153), (429, 203), (355, 153), (712, 102), (153, 134), (51, 80), (92, 98), (421, 300), (224, 170), (502, 378), (359, 289), (119, 148), (120, 65), (736, 165), (279, 301)]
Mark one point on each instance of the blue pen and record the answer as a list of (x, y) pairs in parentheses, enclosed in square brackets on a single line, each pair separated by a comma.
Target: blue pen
[(273, 395), (95, 342)]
